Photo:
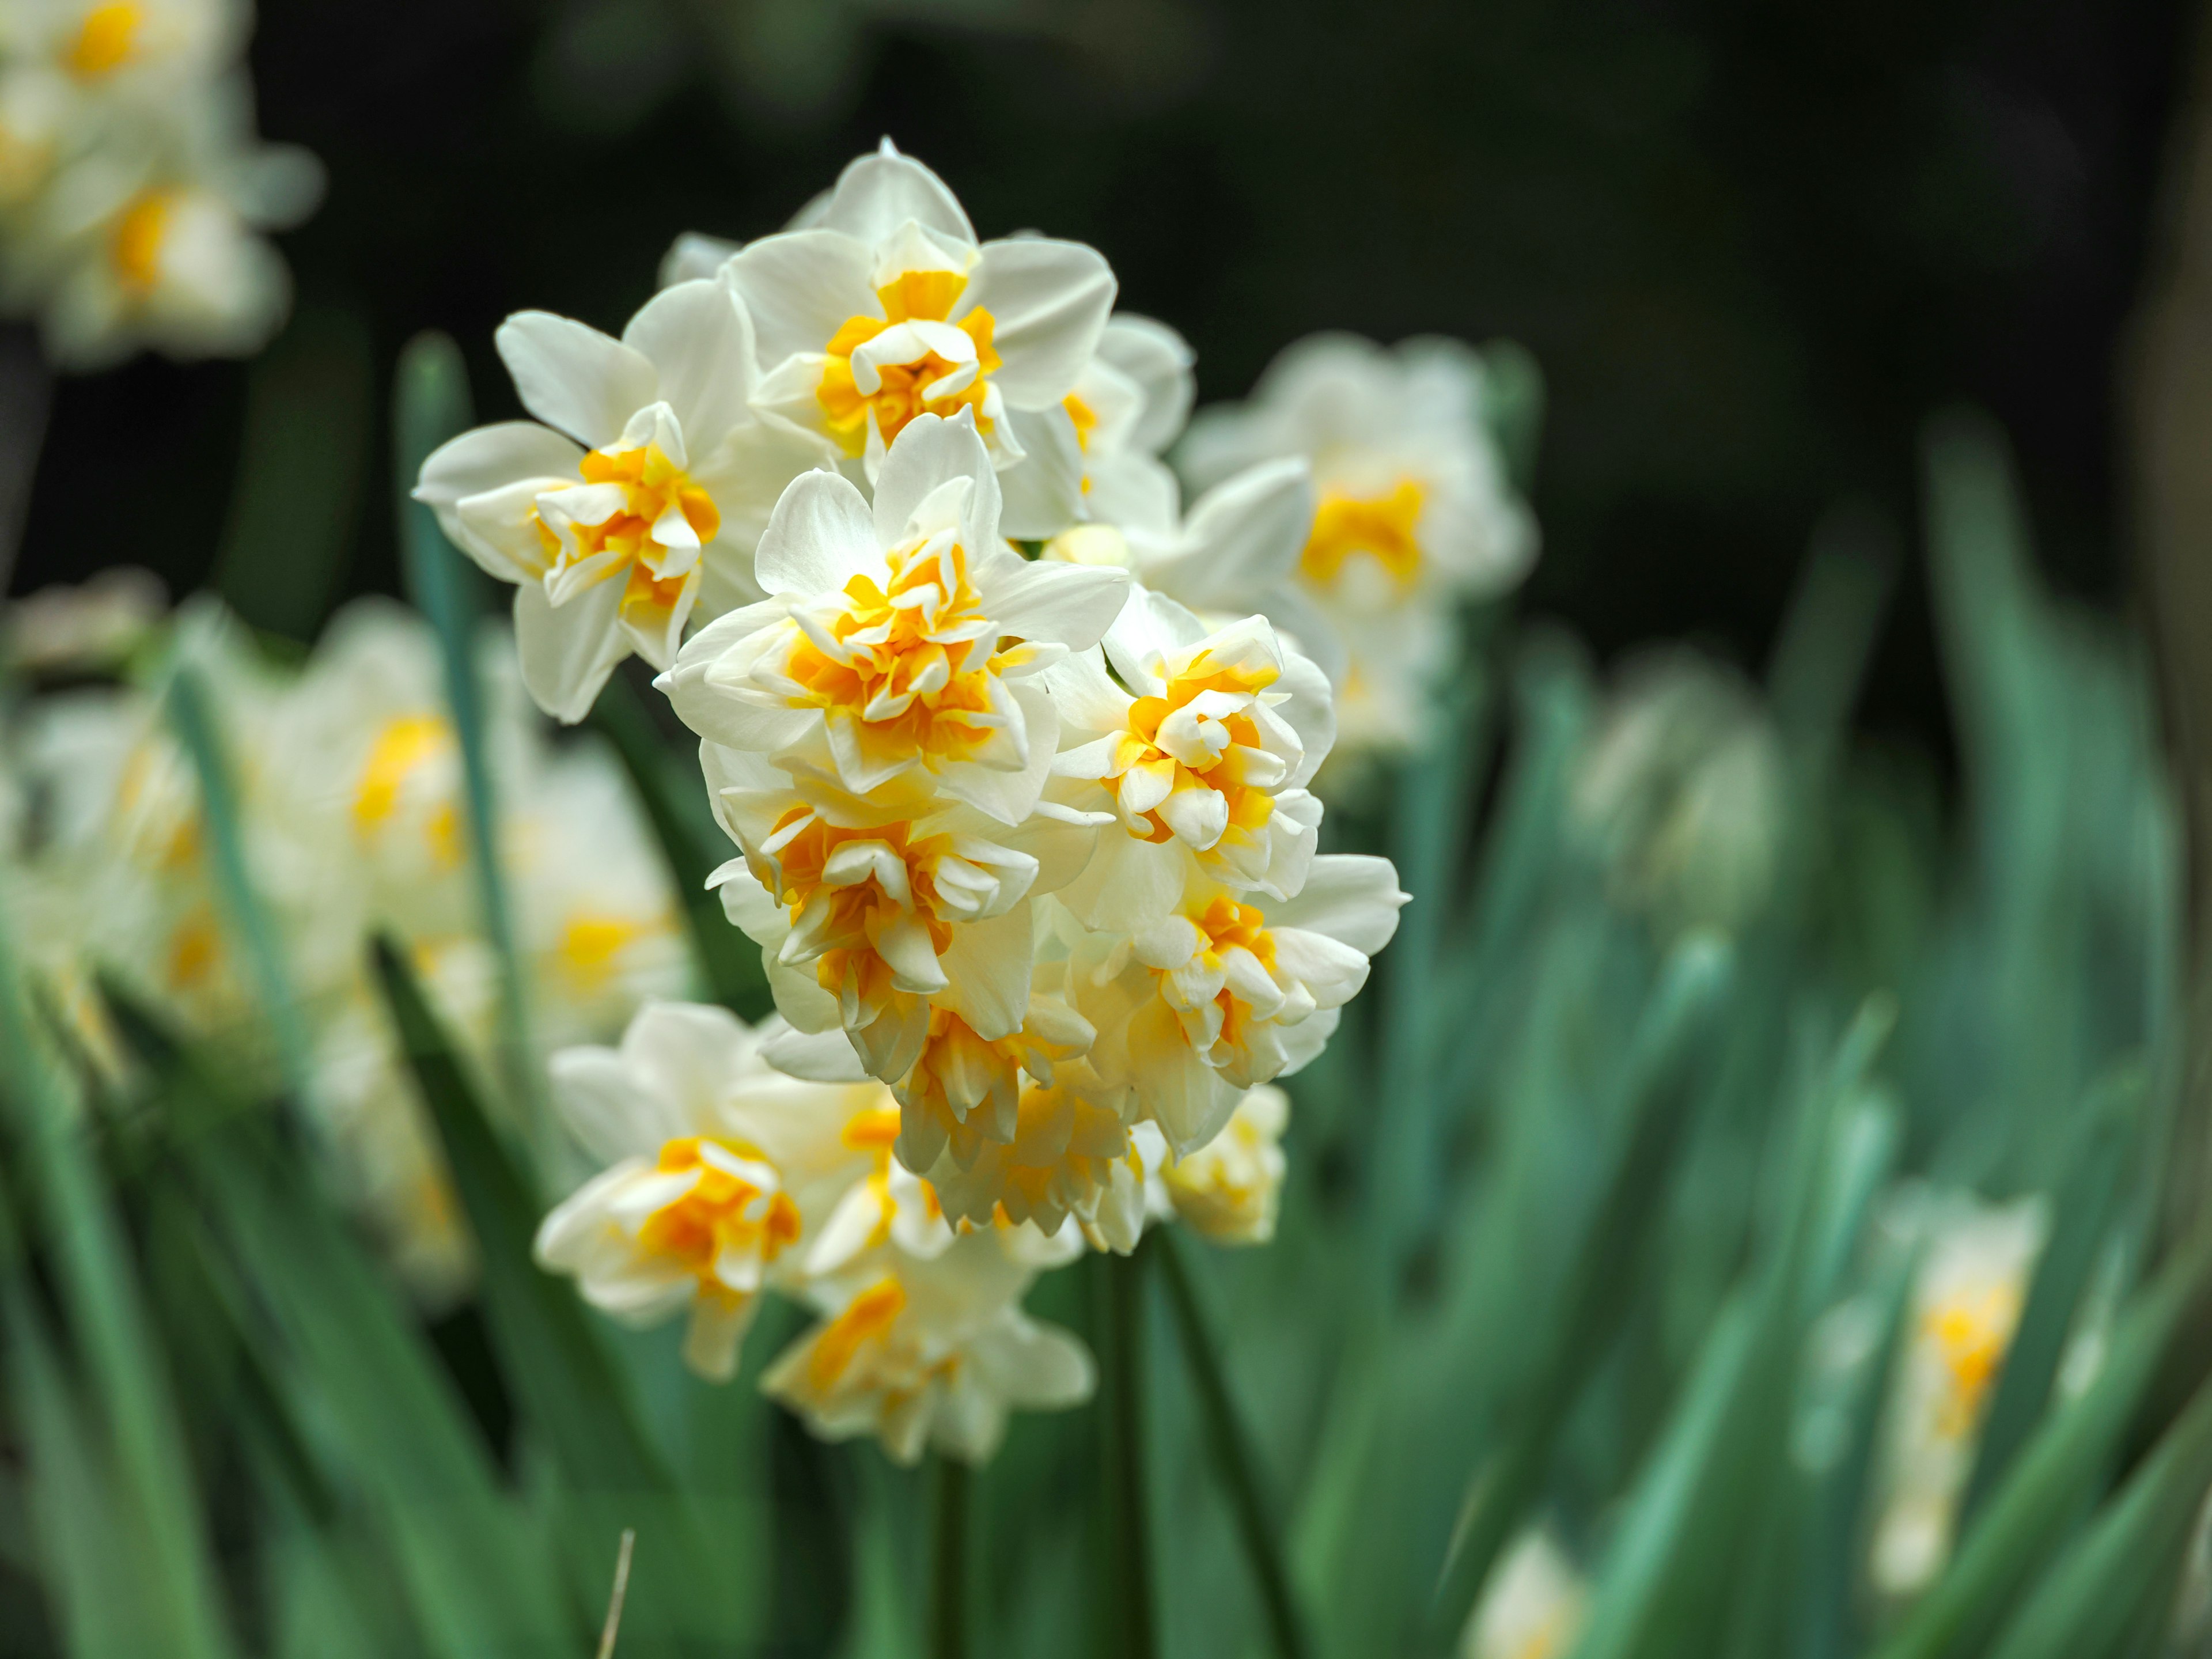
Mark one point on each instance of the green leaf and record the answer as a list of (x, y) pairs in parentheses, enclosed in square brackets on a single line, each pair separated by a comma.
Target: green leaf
[(1598, 1294), (2120, 1573), (2100, 1147), (674, 797), (566, 1388), (88, 1248), (430, 404)]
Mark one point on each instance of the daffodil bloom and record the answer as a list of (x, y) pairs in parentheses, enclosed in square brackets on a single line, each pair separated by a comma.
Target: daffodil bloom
[(1068, 1157), (1207, 761), (867, 921), (694, 1210), (1965, 1306), (159, 246), (1229, 990), (1533, 1607), (879, 306), (1230, 1188), (1127, 405), (901, 638), (933, 1354), (1414, 510), (642, 490)]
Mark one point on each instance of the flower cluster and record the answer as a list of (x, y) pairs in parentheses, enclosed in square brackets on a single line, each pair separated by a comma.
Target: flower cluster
[(1016, 758), (351, 815), (132, 187)]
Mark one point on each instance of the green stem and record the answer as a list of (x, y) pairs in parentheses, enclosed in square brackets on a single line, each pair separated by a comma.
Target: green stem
[(1233, 1450), (1126, 1614), (948, 1577)]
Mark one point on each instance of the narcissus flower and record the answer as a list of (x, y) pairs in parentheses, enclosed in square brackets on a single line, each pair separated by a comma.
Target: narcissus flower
[(1414, 510), (1533, 1607), (879, 306), (1127, 405), (693, 1211), (643, 489), (901, 638), (1230, 1188), (930, 1353), (1224, 993), (1203, 757)]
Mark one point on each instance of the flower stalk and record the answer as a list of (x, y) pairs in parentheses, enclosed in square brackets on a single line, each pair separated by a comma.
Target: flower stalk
[(948, 1567), (1126, 1602)]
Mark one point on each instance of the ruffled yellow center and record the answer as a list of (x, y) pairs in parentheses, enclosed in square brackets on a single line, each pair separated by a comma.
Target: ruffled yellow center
[(1379, 527), (924, 384), (1144, 769), (857, 912), (868, 1317), (1229, 925), (105, 42), (1971, 1331), (723, 1211), (911, 660), (134, 249), (652, 485)]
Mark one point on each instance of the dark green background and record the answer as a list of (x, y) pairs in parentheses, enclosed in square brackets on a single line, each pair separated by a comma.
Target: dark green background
[(1751, 244)]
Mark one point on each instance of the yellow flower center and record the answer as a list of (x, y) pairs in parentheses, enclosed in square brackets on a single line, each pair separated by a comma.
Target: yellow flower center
[(105, 42), (916, 663), (651, 485), (1086, 421), (1971, 1331), (870, 1315), (915, 388), (590, 944), (136, 250), (858, 911), (1379, 527), (403, 747), (723, 1210), (1228, 926), (1138, 754)]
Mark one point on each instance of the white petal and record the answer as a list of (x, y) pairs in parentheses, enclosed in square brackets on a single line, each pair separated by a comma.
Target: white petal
[(929, 453), (573, 377), (604, 1104), (491, 457), (1159, 360), (567, 651), (800, 286), (814, 1056), (1243, 539), (1070, 605), (987, 967), (699, 340), (1348, 896), (1044, 490), (819, 536), (878, 194), (718, 1325), (689, 1053), (1048, 303)]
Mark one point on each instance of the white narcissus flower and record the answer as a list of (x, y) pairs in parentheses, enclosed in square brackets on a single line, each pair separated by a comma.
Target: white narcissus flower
[(901, 638), (1069, 1157), (1230, 1188), (703, 1147), (1972, 1285), (1207, 761), (879, 306), (1221, 994), (643, 489), (932, 1353), (1414, 509)]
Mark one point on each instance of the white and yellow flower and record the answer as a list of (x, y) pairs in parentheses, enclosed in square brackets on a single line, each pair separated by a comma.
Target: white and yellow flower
[(1223, 993), (693, 1211), (641, 487), (1414, 510), (1207, 741), (1230, 1188), (879, 306), (901, 638), (1127, 405), (1965, 1306), (933, 1354)]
